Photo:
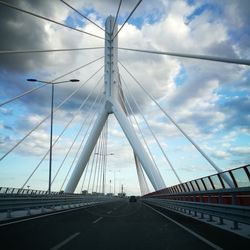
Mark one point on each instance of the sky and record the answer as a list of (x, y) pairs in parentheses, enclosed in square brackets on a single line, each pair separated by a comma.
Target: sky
[(209, 100)]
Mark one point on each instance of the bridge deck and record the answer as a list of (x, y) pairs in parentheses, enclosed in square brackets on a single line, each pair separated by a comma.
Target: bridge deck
[(117, 225)]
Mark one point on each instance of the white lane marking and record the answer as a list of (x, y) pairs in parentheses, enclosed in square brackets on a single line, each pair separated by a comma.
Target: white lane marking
[(64, 242), (97, 220), (211, 244), (109, 212), (46, 215)]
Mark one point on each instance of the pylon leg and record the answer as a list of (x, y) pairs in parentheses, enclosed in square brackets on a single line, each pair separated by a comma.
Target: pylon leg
[(87, 151), (141, 177), (151, 171)]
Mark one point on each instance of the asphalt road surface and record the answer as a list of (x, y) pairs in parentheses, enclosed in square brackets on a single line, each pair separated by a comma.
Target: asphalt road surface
[(119, 225)]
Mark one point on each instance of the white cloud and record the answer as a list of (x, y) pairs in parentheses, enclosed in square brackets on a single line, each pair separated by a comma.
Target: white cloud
[(195, 103)]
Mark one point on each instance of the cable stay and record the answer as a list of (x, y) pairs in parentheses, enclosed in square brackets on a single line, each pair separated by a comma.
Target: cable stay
[(192, 56), (131, 13), (99, 172), (116, 16), (99, 154), (21, 95), (101, 184), (105, 157), (76, 137), (61, 134), (48, 19), (59, 77), (152, 133), (84, 137), (96, 162), (78, 12), (84, 176), (99, 162), (178, 127), (78, 150), (42, 121), (92, 165), (81, 67), (10, 52)]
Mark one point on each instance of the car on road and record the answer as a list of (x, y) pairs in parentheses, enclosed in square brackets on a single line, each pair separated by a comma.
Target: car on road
[(132, 198)]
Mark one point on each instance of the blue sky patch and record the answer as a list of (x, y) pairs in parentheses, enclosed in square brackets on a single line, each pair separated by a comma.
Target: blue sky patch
[(215, 9), (181, 77)]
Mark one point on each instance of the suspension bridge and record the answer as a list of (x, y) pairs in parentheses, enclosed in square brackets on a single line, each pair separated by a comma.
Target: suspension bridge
[(210, 212)]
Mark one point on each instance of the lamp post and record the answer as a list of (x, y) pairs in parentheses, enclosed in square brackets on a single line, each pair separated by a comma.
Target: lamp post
[(51, 120), (115, 170)]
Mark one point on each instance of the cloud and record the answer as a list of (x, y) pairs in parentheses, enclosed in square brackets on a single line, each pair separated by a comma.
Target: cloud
[(240, 151), (237, 110), (209, 100), (220, 154)]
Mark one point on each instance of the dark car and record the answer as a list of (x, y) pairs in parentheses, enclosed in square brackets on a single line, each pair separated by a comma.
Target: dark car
[(132, 198)]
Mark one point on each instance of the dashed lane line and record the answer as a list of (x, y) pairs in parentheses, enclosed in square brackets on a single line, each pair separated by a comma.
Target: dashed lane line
[(64, 242), (97, 220)]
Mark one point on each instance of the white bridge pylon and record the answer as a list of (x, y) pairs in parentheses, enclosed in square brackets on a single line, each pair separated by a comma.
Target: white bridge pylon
[(113, 105)]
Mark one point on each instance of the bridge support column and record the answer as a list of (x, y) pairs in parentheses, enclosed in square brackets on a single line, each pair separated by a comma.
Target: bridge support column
[(141, 177), (113, 104), (87, 151), (151, 171)]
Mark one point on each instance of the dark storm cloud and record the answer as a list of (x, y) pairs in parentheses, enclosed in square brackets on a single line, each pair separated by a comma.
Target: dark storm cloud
[(20, 31)]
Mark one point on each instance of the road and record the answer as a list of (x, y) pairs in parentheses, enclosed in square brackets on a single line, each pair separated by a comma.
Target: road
[(120, 225)]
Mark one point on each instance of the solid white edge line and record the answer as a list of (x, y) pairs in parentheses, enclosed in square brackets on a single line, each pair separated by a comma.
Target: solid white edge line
[(61, 244), (97, 220), (50, 214), (187, 229)]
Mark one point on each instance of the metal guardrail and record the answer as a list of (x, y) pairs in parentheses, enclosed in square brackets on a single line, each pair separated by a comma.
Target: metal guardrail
[(10, 203), (236, 214), (23, 191)]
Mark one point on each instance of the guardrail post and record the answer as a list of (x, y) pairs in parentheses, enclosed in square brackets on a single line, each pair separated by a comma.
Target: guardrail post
[(9, 213), (221, 221), (235, 225), (209, 198), (202, 216), (28, 211), (233, 199), (210, 218), (195, 213)]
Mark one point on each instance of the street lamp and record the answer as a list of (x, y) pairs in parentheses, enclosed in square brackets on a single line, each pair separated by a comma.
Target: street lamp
[(51, 119)]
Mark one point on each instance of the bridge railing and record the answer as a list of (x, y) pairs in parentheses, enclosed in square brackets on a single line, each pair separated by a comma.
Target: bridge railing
[(209, 196), (23, 191), (240, 177)]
